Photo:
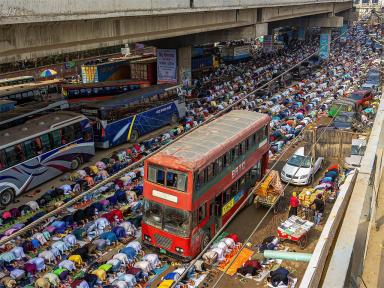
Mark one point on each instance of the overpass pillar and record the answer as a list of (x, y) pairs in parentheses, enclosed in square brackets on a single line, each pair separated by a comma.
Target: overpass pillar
[(325, 42), (184, 65)]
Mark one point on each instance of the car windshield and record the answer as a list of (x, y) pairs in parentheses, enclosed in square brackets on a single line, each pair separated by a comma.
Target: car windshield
[(357, 150), (356, 96), (172, 220), (300, 161), (344, 118)]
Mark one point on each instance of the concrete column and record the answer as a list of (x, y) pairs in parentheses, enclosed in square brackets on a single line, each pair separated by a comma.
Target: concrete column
[(325, 42), (301, 34), (184, 65)]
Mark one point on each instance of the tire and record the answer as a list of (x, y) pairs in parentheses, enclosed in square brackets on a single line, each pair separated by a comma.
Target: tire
[(7, 196), (75, 164), (204, 240), (174, 119), (134, 136)]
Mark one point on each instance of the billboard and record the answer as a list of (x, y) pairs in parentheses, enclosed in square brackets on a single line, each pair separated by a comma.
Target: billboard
[(324, 45), (166, 66)]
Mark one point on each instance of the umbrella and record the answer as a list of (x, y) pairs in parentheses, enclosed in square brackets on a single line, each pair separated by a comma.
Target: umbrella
[(48, 73)]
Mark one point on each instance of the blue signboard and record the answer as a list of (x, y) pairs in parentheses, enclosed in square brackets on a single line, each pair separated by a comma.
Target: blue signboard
[(301, 34), (343, 33), (324, 45)]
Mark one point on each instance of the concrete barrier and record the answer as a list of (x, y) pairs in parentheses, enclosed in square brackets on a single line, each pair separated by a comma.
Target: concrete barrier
[(346, 260)]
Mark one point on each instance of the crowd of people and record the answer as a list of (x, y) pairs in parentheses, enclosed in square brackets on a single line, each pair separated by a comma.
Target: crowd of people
[(67, 250)]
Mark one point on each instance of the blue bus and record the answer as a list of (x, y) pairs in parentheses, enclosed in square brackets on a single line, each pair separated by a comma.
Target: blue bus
[(41, 149), (127, 117)]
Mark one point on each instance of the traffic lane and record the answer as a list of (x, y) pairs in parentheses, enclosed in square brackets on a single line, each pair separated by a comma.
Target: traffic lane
[(58, 181), (246, 221)]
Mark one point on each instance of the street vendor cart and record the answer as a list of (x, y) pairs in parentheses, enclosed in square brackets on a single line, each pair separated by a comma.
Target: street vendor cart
[(269, 192), (295, 229), (306, 197)]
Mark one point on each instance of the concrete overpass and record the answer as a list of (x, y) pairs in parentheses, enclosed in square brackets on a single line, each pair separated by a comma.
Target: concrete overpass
[(35, 28)]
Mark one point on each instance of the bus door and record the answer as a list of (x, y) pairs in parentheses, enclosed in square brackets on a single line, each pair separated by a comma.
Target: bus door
[(215, 214)]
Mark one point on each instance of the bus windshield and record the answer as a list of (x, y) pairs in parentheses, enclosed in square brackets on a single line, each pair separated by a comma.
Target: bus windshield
[(172, 220), (300, 161)]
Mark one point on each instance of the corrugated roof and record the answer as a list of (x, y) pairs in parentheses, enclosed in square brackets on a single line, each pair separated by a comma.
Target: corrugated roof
[(197, 148)]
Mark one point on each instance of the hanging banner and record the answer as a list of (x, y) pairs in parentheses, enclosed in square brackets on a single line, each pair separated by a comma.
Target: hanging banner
[(166, 66), (343, 33), (267, 44), (301, 34), (324, 45)]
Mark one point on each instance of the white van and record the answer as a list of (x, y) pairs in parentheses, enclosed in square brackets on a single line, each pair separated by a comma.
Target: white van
[(300, 169)]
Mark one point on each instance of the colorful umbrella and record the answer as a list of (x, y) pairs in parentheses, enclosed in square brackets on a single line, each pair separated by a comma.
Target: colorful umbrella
[(48, 73)]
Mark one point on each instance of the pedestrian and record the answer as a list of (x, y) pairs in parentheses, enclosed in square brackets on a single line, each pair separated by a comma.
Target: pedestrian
[(293, 203), (319, 208)]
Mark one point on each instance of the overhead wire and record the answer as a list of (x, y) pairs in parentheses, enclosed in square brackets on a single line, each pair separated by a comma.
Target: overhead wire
[(253, 190)]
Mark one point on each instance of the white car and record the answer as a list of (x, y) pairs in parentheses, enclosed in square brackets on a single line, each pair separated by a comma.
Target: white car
[(300, 169), (357, 152)]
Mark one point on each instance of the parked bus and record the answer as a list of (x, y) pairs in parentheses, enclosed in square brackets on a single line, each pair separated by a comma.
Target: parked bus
[(33, 91), (193, 187), (16, 80), (41, 149), (102, 90), (128, 116)]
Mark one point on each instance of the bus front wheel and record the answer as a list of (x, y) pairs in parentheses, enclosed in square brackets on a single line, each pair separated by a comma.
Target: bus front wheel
[(134, 136), (6, 197), (75, 163)]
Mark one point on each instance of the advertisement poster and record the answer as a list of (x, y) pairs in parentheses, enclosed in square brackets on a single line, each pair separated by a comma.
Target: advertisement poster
[(324, 45), (343, 33), (267, 44), (166, 66)]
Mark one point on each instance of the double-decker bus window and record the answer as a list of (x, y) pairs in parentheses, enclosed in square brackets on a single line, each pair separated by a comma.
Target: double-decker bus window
[(45, 143), (219, 165), (55, 138), (202, 213), (176, 180), (176, 221), (233, 155), (3, 160), (156, 175), (153, 213), (241, 148), (246, 144), (210, 172)]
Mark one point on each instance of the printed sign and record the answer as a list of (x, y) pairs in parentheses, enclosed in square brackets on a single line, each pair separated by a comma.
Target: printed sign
[(231, 203), (324, 45), (165, 196), (166, 66)]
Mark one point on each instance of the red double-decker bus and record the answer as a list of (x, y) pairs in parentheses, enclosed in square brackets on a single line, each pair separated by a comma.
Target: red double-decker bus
[(194, 186)]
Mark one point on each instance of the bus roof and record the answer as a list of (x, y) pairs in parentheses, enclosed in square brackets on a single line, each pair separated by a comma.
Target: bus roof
[(5, 80), (8, 90), (37, 126), (206, 143), (132, 96), (105, 83)]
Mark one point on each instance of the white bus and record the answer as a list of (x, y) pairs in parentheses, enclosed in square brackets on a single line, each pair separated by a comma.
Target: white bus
[(41, 149)]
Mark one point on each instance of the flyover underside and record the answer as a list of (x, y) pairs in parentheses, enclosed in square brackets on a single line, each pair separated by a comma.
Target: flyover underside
[(33, 40)]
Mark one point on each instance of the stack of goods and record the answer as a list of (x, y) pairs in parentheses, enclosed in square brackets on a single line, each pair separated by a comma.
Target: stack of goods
[(295, 227), (329, 183), (308, 195)]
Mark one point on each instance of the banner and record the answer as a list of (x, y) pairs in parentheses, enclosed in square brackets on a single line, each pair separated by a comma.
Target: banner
[(324, 45), (267, 44), (166, 66), (343, 33), (301, 34)]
